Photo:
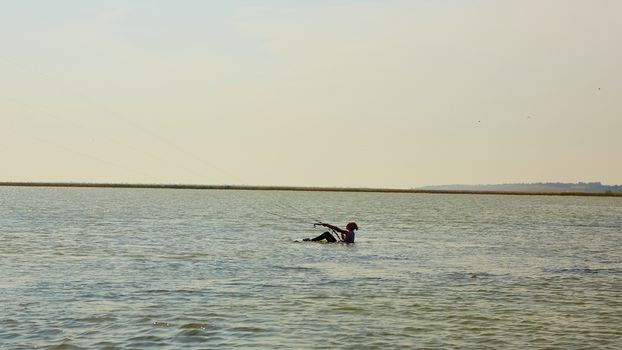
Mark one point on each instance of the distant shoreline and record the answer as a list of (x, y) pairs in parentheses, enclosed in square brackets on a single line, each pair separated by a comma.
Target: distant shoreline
[(295, 188)]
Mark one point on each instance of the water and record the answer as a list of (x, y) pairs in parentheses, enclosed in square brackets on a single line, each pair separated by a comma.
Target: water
[(170, 269)]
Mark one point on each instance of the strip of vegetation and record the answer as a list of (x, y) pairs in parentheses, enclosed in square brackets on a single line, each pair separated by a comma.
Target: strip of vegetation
[(297, 188)]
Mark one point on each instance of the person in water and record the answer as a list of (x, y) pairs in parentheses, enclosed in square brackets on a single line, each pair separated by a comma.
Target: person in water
[(347, 235)]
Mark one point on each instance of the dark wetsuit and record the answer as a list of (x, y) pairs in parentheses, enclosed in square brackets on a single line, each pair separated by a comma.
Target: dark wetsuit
[(327, 236), (331, 238)]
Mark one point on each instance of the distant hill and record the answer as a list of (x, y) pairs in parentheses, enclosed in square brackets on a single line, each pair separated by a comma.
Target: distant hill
[(587, 187)]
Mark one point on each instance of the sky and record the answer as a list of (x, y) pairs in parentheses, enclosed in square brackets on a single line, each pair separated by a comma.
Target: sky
[(369, 93)]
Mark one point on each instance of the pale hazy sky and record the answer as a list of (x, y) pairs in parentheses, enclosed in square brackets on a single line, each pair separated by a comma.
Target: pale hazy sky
[(315, 93)]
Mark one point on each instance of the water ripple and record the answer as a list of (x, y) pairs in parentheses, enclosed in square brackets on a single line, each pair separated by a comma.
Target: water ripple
[(119, 269)]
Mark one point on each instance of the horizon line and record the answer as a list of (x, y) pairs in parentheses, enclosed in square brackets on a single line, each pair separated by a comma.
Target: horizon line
[(295, 188)]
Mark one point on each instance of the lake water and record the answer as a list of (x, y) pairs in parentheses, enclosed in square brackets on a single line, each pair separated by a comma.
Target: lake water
[(207, 269)]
